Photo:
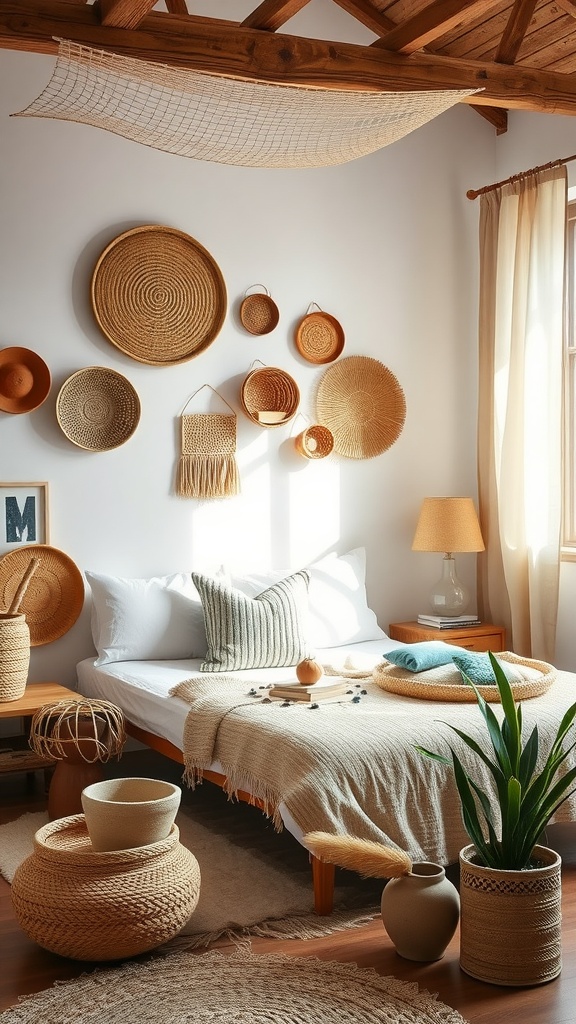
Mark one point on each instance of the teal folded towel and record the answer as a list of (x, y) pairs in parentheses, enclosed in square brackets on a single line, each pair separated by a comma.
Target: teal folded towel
[(428, 654)]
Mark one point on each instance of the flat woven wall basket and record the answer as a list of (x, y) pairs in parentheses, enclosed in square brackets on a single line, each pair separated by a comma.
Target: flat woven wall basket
[(361, 402), (269, 396), (98, 409), (158, 295), (259, 314)]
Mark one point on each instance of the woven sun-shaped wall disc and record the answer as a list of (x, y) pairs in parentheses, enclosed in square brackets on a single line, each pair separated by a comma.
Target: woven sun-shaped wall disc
[(97, 408), (55, 594), (158, 295), (361, 402)]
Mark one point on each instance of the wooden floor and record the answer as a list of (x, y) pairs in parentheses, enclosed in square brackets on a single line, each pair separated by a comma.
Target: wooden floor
[(26, 968)]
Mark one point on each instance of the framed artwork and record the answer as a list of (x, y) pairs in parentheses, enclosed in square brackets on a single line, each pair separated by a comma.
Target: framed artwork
[(23, 515)]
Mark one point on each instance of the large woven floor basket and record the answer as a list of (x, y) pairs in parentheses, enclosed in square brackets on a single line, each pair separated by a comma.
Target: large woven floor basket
[(510, 925), (103, 906)]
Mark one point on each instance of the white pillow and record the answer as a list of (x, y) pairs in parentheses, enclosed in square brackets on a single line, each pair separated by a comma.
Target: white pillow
[(157, 619), (337, 602)]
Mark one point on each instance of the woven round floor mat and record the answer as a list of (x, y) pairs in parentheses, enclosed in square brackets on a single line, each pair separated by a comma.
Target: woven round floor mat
[(158, 295), (216, 989), (361, 402), (55, 595), (98, 409)]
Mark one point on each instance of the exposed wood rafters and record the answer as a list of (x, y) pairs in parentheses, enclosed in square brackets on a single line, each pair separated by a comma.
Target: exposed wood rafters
[(427, 48)]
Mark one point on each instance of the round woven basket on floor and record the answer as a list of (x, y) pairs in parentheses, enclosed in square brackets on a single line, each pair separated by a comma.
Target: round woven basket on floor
[(316, 442), (55, 595), (269, 396), (103, 906), (98, 409), (14, 656), (362, 403), (259, 314), (158, 295)]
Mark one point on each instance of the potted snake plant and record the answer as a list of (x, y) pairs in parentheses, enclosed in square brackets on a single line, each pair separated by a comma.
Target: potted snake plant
[(509, 884)]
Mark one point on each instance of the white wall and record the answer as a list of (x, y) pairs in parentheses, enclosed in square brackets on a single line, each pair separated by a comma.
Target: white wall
[(387, 244)]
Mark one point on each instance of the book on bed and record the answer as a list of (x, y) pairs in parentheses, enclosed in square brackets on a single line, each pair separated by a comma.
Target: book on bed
[(321, 690)]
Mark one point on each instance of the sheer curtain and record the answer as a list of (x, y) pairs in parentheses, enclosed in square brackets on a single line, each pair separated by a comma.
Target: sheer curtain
[(522, 239)]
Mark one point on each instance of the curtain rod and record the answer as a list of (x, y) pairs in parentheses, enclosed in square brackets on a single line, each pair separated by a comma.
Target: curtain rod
[(474, 193)]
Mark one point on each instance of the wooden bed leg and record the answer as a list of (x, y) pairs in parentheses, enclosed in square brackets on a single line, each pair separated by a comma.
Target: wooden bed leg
[(323, 878)]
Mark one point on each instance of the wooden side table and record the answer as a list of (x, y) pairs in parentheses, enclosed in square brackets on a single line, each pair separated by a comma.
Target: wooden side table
[(484, 637), (34, 697)]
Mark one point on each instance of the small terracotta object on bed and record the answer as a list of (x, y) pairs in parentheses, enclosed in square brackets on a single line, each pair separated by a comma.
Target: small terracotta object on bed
[(308, 672)]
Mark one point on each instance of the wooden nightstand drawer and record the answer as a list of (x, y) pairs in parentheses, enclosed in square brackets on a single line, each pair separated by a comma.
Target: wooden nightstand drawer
[(485, 637)]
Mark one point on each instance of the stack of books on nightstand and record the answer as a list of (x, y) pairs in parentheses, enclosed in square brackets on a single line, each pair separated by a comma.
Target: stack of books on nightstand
[(448, 621)]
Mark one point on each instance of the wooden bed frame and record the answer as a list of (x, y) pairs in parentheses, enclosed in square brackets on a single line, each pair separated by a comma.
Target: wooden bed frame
[(323, 874)]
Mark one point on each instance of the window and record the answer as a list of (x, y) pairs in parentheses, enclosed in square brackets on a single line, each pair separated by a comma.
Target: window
[(569, 516)]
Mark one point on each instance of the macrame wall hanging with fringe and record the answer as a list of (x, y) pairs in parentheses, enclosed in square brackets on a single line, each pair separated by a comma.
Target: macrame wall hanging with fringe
[(225, 120), (207, 465)]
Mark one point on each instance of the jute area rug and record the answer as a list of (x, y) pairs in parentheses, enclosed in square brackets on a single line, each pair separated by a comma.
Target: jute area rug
[(211, 988), (254, 880)]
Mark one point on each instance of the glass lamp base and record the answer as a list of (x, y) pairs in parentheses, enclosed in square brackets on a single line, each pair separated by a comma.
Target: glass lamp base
[(448, 596)]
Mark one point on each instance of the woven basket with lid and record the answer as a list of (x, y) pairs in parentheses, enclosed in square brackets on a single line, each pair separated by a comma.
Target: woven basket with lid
[(103, 906)]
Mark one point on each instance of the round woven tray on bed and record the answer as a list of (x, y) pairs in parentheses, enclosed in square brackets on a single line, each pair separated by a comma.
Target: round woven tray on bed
[(269, 396), (158, 295), (98, 409), (414, 684), (55, 595)]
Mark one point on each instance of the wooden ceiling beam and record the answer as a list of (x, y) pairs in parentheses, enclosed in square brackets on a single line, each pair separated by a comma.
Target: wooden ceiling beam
[(223, 48), (123, 13), (568, 6), (513, 34), (270, 15), (176, 6), (367, 15), (495, 115), (433, 21)]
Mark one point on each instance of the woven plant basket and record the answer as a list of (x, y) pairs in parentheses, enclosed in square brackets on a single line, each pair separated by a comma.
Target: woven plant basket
[(259, 314), (316, 442), (14, 656), (269, 396), (103, 906), (510, 928)]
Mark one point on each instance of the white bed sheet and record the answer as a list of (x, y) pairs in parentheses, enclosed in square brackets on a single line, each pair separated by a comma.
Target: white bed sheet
[(142, 690)]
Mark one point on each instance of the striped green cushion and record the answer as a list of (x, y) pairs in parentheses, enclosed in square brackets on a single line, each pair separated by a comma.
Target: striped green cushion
[(262, 632)]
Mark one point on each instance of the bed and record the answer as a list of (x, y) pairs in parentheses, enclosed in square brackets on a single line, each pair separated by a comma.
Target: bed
[(349, 766)]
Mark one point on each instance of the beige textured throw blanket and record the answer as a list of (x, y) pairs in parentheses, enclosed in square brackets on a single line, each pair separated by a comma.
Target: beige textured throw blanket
[(352, 767)]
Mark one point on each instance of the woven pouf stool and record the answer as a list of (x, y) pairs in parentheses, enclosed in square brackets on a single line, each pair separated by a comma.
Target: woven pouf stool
[(103, 906)]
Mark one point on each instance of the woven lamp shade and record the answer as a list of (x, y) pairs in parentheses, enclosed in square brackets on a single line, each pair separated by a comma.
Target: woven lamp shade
[(448, 524)]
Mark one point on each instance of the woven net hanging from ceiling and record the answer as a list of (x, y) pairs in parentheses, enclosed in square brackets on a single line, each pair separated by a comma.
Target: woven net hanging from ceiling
[(224, 120)]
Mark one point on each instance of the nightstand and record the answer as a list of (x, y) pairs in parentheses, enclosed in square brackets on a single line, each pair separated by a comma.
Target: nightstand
[(485, 637)]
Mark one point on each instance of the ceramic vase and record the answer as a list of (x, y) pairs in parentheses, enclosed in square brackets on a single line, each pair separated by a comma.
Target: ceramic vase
[(14, 655), (420, 912), (125, 813), (510, 932)]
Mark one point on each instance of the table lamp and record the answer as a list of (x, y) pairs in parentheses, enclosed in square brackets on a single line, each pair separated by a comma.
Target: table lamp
[(448, 524)]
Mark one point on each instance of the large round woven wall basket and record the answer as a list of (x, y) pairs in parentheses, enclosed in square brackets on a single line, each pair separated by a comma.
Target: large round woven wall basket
[(269, 396), (158, 295), (55, 595), (361, 402), (98, 409)]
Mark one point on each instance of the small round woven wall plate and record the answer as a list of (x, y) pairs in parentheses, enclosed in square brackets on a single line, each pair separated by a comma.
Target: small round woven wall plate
[(55, 594), (269, 396), (361, 402), (259, 314), (319, 337), (445, 683), (158, 295), (98, 409)]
